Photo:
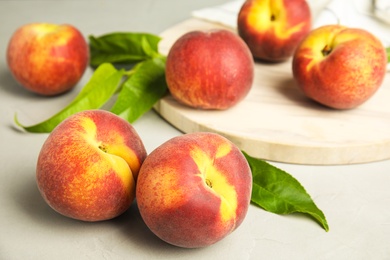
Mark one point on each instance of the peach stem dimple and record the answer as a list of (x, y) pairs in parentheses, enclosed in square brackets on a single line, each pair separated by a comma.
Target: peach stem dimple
[(103, 148), (209, 183), (274, 11), (326, 50)]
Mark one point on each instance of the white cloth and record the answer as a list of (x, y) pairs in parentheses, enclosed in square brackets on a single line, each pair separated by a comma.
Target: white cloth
[(358, 14)]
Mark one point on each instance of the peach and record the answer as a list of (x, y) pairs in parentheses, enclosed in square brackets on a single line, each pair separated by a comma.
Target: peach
[(194, 189), (88, 166), (209, 69), (339, 67), (47, 59), (273, 28)]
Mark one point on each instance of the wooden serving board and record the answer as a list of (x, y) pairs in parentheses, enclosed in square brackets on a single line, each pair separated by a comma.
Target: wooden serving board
[(277, 122)]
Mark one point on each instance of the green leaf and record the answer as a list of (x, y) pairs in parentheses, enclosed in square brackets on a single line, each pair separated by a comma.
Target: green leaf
[(278, 192), (388, 54), (141, 90), (95, 94), (123, 48)]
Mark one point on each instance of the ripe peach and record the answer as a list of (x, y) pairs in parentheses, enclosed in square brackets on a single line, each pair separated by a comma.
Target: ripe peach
[(88, 166), (209, 70), (339, 67), (47, 59), (273, 28), (194, 189)]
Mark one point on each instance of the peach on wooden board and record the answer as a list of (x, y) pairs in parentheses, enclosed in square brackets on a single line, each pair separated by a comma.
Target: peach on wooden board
[(273, 29), (339, 67), (210, 69)]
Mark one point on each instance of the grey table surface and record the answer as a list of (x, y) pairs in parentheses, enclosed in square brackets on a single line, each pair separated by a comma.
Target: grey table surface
[(354, 198)]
